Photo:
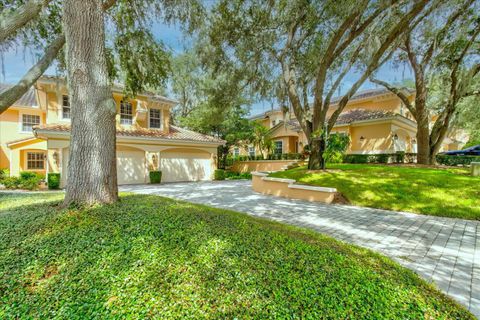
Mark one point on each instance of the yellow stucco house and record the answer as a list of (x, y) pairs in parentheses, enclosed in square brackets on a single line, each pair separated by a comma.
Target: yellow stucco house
[(35, 136), (376, 121)]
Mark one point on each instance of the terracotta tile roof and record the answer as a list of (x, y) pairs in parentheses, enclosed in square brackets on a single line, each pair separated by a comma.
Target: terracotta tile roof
[(116, 87), (362, 115), (27, 100), (351, 116), (176, 133)]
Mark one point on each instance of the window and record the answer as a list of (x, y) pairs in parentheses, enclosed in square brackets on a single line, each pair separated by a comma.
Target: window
[(65, 107), (236, 152), (35, 161), (273, 123), (155, 118), (126, 113), (278, 147), (251, 151), (29, 121)]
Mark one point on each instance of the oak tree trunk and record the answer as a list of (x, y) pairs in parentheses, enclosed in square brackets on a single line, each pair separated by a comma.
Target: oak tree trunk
[(316, 161), (92, 173), (423, 141)]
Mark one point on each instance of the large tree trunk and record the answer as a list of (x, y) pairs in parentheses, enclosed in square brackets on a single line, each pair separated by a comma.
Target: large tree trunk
[(423, 141), (316, 161), (92, 174)]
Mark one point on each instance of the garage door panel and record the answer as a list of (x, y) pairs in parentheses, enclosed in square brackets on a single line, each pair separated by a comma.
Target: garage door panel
[(131, 167), (184, 166)]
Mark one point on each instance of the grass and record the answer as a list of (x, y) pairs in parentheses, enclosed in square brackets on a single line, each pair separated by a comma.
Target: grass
[(439, 192), (152, 257)]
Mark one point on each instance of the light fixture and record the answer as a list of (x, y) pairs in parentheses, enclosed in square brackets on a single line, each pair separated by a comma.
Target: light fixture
[(414, 140), (395, 137), (362, 138)]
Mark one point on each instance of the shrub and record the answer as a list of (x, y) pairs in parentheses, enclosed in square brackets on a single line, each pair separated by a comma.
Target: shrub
[(53, 181), (219, 174), (30, 180), (231, 175), (4, 173), (456, 160), (155, 176), (25, 175), (355, 158), (382, 158), (400, 157), (11, 182)]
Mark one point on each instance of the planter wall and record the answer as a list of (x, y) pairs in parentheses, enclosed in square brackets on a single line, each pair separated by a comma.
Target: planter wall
[(287, 188), (260, 165)]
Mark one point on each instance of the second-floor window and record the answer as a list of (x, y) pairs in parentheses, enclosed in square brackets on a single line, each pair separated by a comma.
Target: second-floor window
[(29, 121), (155, 118), (65, 107), (126, 113)]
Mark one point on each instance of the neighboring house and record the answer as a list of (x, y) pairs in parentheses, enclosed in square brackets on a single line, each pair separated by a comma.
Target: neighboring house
[(35, 136), (376, 121)]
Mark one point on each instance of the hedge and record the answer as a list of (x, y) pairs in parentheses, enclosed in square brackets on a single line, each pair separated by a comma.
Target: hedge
[(155, 176), (219, 174), (53, 181), (399, 157), (456, 160), (273, 156)]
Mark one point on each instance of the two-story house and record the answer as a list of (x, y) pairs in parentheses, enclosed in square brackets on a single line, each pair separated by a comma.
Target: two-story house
[(35, 136), (376, 121)]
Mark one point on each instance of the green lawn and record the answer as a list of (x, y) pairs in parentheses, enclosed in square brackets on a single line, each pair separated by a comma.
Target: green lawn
[(151, 257), (440, 192)]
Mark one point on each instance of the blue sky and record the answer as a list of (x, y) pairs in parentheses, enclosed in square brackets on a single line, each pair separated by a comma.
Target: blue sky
[(18, 60)]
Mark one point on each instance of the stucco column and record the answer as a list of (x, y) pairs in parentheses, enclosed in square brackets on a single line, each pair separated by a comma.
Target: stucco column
[(14, 162)]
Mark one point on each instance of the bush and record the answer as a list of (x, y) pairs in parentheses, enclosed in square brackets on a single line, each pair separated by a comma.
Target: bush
[(356, 158), (400, 157), (11, 182), (155, 176), (4, 173), (456, 160), (230, 175), (219, 174), (53, 181), (30, 180)]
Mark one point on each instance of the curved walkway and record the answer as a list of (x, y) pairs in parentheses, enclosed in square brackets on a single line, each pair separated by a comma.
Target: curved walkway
[(443, 250)]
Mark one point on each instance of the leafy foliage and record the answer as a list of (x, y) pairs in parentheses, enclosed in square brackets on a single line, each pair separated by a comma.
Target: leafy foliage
[(336, 147), (149, 257), (53, 181), (155, 176)]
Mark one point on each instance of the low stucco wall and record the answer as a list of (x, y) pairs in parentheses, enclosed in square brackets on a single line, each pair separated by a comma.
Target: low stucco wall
[(260, 165), (287, 188)]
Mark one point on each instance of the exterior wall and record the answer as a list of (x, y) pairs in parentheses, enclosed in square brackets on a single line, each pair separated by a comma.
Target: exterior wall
[(49, 99), (10, 130), (148, 147), (261, 165), (377, 139)]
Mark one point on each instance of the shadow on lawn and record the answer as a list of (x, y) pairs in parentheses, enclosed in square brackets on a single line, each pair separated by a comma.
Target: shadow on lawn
[(149, 255)]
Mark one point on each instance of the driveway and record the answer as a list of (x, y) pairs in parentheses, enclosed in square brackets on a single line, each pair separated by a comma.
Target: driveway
[(443, 250)]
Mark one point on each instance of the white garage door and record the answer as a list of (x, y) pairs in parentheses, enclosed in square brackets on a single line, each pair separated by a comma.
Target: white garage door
[(131, 167), (185, 165)]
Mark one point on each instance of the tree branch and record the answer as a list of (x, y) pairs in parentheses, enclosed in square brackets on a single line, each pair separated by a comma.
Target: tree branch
[(10, 21), (395, 32), (398, 92), (8, 97)]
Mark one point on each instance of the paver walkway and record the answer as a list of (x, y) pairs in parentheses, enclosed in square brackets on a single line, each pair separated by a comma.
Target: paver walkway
[(443, 250)]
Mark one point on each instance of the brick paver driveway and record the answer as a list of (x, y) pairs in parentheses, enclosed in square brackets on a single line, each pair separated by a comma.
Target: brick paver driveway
[(445, 251)]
